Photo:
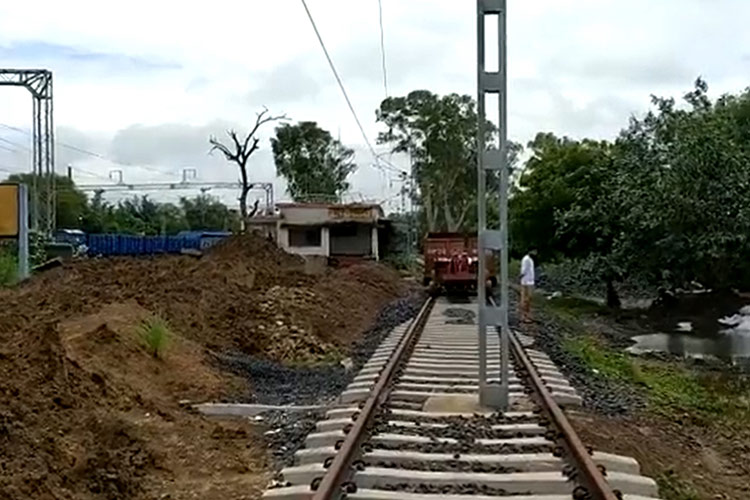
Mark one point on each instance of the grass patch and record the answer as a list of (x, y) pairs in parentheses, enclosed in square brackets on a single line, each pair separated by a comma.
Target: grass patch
[(671, 487), (8, 269), (604, 361), (672, 390), (576, 306), (155, 334)]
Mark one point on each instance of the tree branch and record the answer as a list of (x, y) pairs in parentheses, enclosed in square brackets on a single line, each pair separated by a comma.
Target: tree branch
[(239, 151), (216, 145)]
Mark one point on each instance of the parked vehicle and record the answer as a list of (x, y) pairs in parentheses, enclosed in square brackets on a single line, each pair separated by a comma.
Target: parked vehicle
[(451, 262)]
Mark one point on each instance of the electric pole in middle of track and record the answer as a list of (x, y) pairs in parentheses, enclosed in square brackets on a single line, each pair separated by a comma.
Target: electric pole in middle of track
[(492, 159)]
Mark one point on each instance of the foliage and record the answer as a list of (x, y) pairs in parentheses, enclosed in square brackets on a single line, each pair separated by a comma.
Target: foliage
[(597, 356), (239, 152), (561, 176), (314, 164), (667, 203), (136, 215), (70, 204), (155, 333), (440, 135), (404, 262), (403, 237), (671, 389), (37, 248), (8, 267), (672, 487), (208, 213)]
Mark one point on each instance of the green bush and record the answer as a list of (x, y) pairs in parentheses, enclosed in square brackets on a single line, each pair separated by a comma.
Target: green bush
[(8, 268), (404, 262), (672, 487), (155, 333)]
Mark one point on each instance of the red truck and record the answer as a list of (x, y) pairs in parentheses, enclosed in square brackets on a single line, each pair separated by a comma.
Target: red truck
[(451, 261)]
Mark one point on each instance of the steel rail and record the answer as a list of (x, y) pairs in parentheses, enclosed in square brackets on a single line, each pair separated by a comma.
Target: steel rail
[(592, 477), (339, 470)]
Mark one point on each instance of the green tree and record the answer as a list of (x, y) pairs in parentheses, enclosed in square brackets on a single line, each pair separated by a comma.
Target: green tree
[(207, 213), (314, 164), (667, 203), (440, 135), (681, 193), (99, 215), (70, 203), (171, 219), (137, 215), (561, 178)]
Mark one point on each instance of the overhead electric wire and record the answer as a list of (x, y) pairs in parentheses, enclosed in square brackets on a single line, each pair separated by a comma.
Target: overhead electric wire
[(8, 149), (343, 89), (93, 174), (87, 152), (382, 48), (21, 146)]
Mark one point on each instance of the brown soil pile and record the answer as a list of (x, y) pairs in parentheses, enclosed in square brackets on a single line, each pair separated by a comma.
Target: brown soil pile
[(687, 460), (87, 413), (246, 294)]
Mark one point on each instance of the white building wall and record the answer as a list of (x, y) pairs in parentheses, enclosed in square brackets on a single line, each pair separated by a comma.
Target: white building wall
[(282, 237), (324, 250), (325, 239), (304, 215), (375, 245)]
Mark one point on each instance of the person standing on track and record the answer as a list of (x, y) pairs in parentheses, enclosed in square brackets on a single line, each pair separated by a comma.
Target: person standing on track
[(527, 284)]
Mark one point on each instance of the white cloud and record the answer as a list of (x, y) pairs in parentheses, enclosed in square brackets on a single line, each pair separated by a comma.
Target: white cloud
[(145, 82)]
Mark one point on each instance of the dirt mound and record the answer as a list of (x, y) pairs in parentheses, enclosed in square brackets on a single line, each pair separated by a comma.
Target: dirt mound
[(245, 294), (87, 413)]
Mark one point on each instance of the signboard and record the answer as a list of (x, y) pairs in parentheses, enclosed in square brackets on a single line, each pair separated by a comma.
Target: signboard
[(349, 212), (14, 221), (9, 210)]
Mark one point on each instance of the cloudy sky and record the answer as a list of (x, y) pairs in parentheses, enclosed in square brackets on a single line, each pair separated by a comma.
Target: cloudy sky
[(142, 84)]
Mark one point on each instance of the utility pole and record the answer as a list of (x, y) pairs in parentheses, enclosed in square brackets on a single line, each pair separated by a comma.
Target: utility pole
[(492, 159), (413, 232)]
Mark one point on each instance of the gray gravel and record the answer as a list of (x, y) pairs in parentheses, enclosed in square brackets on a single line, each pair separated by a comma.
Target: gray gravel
[(392, 315), (285, 433), (460, 316), (601, 394), (461, 489), (448, 466), (274, 383), (277, 384)]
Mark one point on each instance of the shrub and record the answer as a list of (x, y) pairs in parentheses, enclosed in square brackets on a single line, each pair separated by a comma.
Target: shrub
[(154, 332), (8, 268)]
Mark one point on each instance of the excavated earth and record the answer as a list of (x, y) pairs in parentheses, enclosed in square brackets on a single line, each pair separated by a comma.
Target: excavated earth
[(86, 412)]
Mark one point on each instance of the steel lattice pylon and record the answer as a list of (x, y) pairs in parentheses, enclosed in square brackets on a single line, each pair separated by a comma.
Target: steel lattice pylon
[(39, 83), (492, 158)]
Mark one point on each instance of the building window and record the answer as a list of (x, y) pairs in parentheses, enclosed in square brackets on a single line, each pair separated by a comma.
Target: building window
[(304, 236)]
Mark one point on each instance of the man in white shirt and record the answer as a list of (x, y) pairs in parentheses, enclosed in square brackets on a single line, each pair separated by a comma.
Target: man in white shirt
[(527, 284)]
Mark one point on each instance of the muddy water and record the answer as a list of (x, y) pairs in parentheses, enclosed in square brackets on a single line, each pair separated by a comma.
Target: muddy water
[(734, 347), (704, 326)]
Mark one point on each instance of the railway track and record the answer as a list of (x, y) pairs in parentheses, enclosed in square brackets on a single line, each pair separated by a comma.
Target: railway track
[(409, 427)]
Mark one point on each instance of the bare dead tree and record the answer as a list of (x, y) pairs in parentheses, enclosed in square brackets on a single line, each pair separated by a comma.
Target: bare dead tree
[(239, 152)]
